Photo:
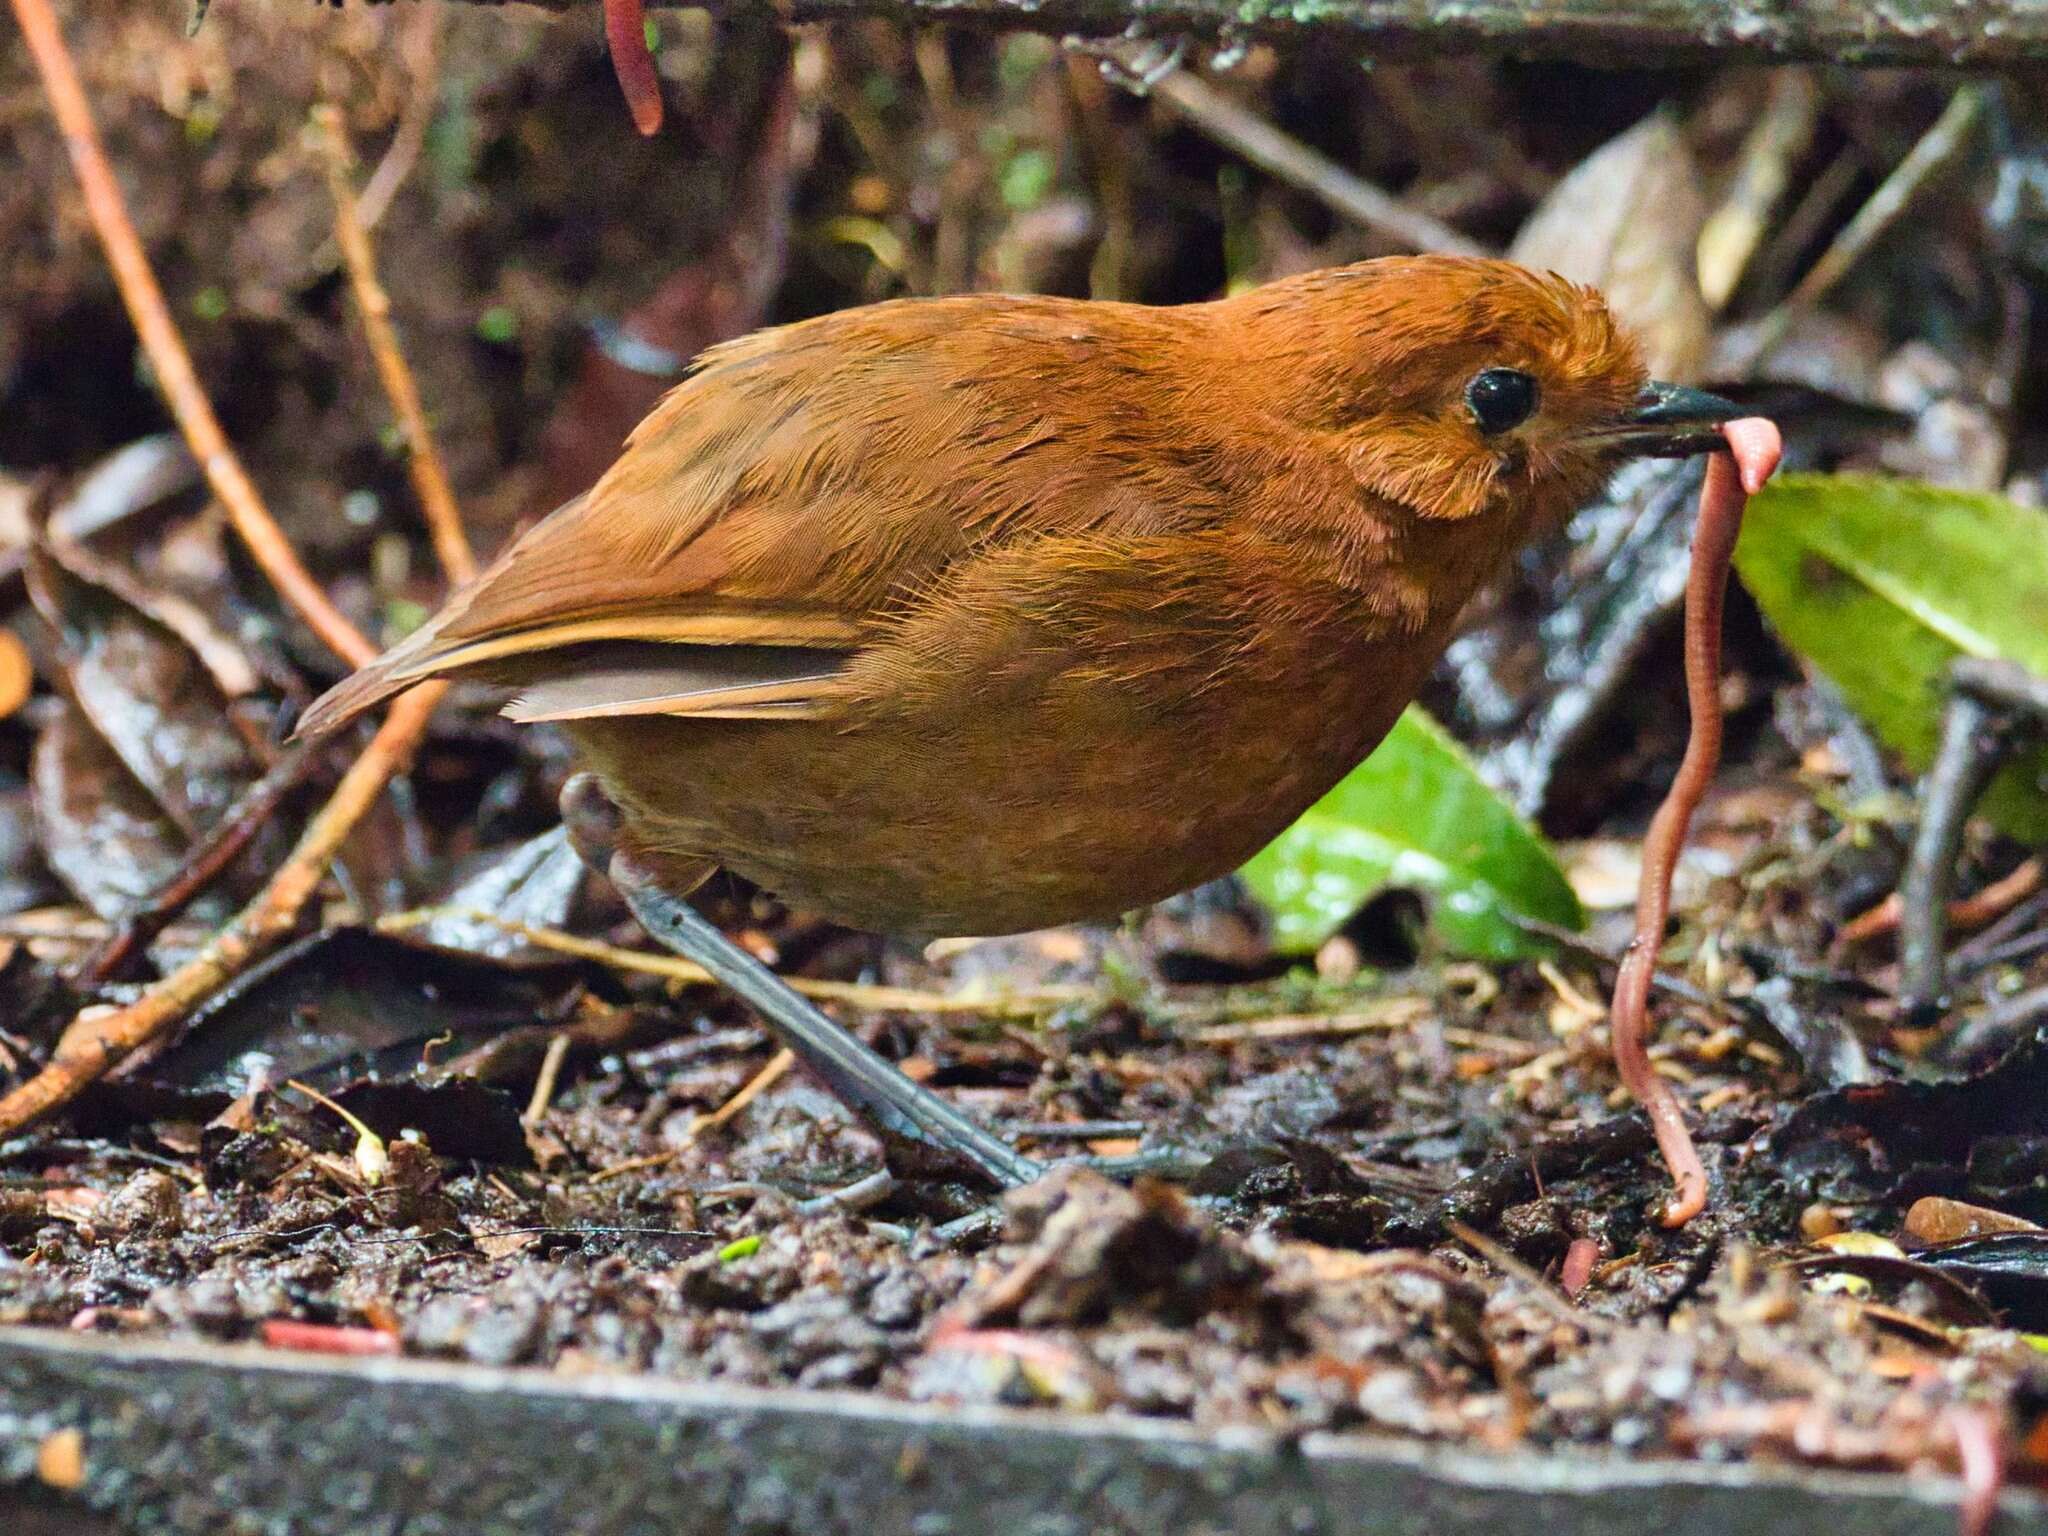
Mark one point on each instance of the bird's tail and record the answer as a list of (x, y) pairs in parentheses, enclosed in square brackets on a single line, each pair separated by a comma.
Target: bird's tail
[(409, 662)]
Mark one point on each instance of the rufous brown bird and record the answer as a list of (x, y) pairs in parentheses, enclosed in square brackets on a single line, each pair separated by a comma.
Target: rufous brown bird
[(980, 614)]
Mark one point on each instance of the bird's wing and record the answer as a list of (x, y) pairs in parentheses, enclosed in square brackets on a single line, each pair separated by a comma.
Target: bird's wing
[(782, 505), (730, 682)]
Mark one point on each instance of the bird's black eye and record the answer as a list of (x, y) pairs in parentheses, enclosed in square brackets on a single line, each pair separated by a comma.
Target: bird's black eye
[(1501, 399)]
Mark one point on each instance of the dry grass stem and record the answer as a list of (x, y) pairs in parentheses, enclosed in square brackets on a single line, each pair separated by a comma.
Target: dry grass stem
[(423, 456), (855, 994)]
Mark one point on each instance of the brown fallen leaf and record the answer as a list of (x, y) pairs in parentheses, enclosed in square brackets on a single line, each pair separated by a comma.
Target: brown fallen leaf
[(100, 831), (1936, 1219), (1627, 220)]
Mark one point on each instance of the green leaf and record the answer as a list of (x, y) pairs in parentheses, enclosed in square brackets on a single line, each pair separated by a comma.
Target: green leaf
[(1882, 583), (1027, 177), (1415, 814)]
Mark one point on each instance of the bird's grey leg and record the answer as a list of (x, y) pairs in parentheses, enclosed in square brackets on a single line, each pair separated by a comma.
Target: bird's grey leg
[(913, 1121)]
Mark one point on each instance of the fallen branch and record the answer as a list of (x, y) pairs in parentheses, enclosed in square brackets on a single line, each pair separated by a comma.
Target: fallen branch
[(1639, 33)]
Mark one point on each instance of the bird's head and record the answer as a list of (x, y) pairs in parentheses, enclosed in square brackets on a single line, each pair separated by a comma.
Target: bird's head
[(1460, 388)]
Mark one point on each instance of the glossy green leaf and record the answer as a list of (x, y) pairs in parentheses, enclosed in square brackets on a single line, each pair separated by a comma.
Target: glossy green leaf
[(1882, 583), (1416, 815)]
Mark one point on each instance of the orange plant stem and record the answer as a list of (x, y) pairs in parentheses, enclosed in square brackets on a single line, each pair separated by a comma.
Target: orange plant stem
[(165, 347), (429, 473)]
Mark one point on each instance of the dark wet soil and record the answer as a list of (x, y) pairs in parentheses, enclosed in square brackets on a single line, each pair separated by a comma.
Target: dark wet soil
[(1312, 1204)]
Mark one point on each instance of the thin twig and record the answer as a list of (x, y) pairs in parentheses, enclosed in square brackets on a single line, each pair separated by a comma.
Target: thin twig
[(544, 1083), (1935, 148), (860, 1195), (855, 993), (100, 1037), (223, 843), (165, 347), (1286, 158), (1997, 1028), (429, 474), (421, 46), (1388, 1014), (2024, 924), (1546, 1296), (59, 925), (1986, 906), (769, 1075)]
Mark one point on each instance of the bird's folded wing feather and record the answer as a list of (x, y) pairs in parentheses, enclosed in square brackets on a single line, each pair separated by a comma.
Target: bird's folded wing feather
[(778, 508), (734, 682)]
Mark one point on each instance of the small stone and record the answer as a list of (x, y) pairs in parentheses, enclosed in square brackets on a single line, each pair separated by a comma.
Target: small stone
[(60, 1460), (151, 1202), (506, 1335), (1818, 1221)]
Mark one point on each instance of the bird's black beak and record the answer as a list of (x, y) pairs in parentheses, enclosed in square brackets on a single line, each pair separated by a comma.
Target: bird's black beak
[(1670, 421)]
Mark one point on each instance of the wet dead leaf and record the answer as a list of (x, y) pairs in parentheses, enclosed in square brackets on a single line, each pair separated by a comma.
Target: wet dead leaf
[(1627, 220), (71, 1202), (151, 694), (348, 1001), (101, 832), (149, 473), (503, 1245), (1937, 1219), (533, 884), (2010, 1269)]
